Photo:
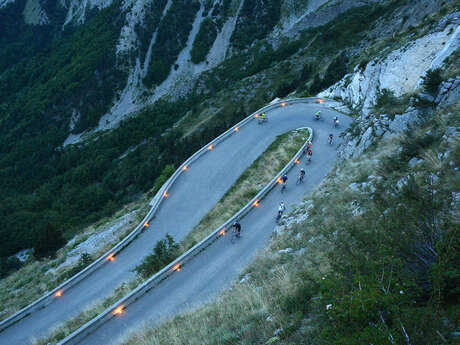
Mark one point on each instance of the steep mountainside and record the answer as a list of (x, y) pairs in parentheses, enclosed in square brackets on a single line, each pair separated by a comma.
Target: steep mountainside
[(152, 75)]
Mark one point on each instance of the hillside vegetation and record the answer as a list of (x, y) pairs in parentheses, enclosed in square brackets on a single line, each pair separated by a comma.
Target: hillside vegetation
[(369, 257), (67, 83)]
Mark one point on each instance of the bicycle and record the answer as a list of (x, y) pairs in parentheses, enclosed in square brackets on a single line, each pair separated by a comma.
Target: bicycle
[(261, 120), (283, 186), (278, 216), (300, 178), (235, 236)]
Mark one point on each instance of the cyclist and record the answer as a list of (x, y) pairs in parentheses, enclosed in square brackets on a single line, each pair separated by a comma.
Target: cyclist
[(284, 179), (317, 115), (262, 118), (308, 144), (336, 121), (281, 209), (309, 154), (331, 138), (237, 228), (301, 175)]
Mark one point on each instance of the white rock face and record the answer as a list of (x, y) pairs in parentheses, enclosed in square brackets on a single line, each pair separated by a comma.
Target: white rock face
[(178, 82), (400, 71)]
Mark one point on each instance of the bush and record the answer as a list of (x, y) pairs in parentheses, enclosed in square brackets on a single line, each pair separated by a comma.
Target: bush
[(49, 242), (165, 252), (385, 97), (83, 262), (431, 81), (165, 174)]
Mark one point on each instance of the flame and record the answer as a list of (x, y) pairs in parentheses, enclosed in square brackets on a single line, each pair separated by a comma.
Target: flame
[(176, 268), (236, 129), (256, 203), (146, 224), (256, 116), (210, 147), (320, 100), (222, 232), (278, 180), (185, 168), (58, 293), (296, 161), (118, 311), (111, 258), (165, 194), (283, 104)]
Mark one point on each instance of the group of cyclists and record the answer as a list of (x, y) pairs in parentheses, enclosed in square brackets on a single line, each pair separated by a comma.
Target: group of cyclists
[(309, 153)]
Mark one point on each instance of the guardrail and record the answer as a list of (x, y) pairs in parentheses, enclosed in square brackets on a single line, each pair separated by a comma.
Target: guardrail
[(156, 279), (156, 202)]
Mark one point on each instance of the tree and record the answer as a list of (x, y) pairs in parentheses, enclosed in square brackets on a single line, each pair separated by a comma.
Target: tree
[(431, 80), (50, 240)]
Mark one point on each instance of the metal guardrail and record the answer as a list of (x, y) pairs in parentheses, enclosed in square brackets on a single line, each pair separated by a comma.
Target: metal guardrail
[(174, 266), (58, 292)]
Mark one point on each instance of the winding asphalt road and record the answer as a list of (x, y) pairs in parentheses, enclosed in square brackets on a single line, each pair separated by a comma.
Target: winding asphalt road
[(190, 199)]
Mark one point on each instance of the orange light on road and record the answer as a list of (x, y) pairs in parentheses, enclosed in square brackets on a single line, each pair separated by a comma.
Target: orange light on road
[(283, 104), (176, 268), (256, 116), (118, 311), (210, 147), (236, 129), (185, 168), (278, 180), (296, 161), (320, 100), (146, 224), (165, 194), (222, 232), (58, 293), (256, 203), (111, 258)]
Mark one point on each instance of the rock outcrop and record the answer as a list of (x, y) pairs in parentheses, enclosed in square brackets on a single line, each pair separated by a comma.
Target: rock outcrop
[(400, 72)]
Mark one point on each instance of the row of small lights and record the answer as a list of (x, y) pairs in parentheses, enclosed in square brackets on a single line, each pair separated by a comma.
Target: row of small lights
[(176, 268)]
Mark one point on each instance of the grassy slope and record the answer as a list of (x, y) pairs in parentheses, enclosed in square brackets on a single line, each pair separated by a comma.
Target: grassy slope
[(377, 265)]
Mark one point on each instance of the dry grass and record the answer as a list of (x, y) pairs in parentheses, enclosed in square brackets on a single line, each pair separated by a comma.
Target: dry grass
[(250, 183)]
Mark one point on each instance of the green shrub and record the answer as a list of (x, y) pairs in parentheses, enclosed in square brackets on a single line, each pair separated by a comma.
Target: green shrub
[(84, 261), (165, 251), (164, 176), (431, 80)]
